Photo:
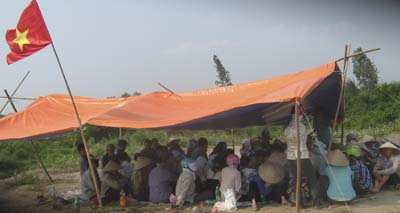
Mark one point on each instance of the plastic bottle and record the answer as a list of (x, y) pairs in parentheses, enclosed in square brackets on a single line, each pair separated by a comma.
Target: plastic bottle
[(77, 204), (122, 199), (217, 194)]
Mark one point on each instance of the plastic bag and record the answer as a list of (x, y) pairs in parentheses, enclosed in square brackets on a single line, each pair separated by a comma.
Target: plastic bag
[(229, 204)]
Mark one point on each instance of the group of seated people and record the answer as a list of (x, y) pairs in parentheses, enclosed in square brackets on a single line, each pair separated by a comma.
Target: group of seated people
[(265, 170)]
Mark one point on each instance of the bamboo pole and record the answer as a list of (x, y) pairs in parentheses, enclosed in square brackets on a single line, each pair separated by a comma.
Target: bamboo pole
[(40, 161), (9, 99), (19, 98), (15, 91), (120, 133), (358, 53), (233, 141), (298, 172), (342, 87), (31, 142), (166, 88), (92, 171)]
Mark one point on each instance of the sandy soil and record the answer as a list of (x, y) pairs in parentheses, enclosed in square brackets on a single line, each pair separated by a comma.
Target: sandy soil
[(21, 198)]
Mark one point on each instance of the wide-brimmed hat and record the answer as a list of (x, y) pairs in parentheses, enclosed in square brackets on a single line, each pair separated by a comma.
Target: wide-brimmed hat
[(389, 145), (111, 166), (337, 158), (271, 173), (142, 162)]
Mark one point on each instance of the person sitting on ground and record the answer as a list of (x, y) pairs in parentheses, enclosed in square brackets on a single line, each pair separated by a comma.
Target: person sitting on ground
[(83, 161), (190, 147), (247, 172), (362, 179), (127, 169), (269, 183), (265, 139), (162, 180), (340, 177), (216, 163), (88, 190), (121, 146), (155, 144), (246, 149), (291, 154), (113, 183), (230, 177), (175, 149), (147, 151), (185, 186), (110, 155), (218, 153), (201, 149), (143, 166), (387, 167)]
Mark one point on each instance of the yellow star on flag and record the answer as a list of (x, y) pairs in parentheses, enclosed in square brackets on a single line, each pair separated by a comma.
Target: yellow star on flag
[(21, 39)]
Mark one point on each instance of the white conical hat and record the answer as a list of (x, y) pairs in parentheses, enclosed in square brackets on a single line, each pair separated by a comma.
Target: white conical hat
[(389, 145)]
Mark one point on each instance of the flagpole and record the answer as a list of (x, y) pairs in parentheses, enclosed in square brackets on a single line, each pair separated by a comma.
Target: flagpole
[(92, 171)]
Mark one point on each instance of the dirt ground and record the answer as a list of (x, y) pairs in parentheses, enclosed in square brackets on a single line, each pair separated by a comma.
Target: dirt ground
[(21, 198)]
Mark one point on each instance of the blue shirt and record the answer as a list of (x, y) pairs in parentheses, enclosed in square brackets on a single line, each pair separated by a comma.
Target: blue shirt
[(261, 187), (362, 177), (340, 183)]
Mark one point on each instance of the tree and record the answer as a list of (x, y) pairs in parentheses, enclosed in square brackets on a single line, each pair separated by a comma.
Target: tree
[(136, 93), (224, 78), (125, 95), (365, 71)]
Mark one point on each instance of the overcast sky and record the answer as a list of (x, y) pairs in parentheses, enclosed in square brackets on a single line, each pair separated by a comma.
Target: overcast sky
[(109, 47)]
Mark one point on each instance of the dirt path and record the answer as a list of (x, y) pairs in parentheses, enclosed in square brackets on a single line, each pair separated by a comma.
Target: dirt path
[(21, 198)]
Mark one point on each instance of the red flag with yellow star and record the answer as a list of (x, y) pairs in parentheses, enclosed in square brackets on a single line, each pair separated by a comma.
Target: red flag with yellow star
[(30, 35)]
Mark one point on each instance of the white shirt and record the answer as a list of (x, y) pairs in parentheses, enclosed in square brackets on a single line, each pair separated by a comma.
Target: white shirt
[(291, 140)]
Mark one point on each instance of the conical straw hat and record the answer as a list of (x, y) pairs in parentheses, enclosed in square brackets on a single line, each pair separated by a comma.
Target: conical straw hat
[(271, 173), (389, 145), (142, 162), (337, 158), (111, 166)]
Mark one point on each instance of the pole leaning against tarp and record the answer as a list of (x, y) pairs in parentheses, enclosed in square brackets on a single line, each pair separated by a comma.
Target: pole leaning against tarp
[(31, 142), (298, 172)]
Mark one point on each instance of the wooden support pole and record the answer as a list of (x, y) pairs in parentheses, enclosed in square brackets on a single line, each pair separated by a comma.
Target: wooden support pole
[(298, 172), (9, 99), (33, 146), (18, 98), (233, 140), (358, 53), (40, 161), (15, 91), (92, 171), (120, 133), (166, 88), (342, 87)]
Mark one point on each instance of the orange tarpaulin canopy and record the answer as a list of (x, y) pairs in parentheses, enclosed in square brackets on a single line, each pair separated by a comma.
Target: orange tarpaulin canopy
[(223, 107)]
